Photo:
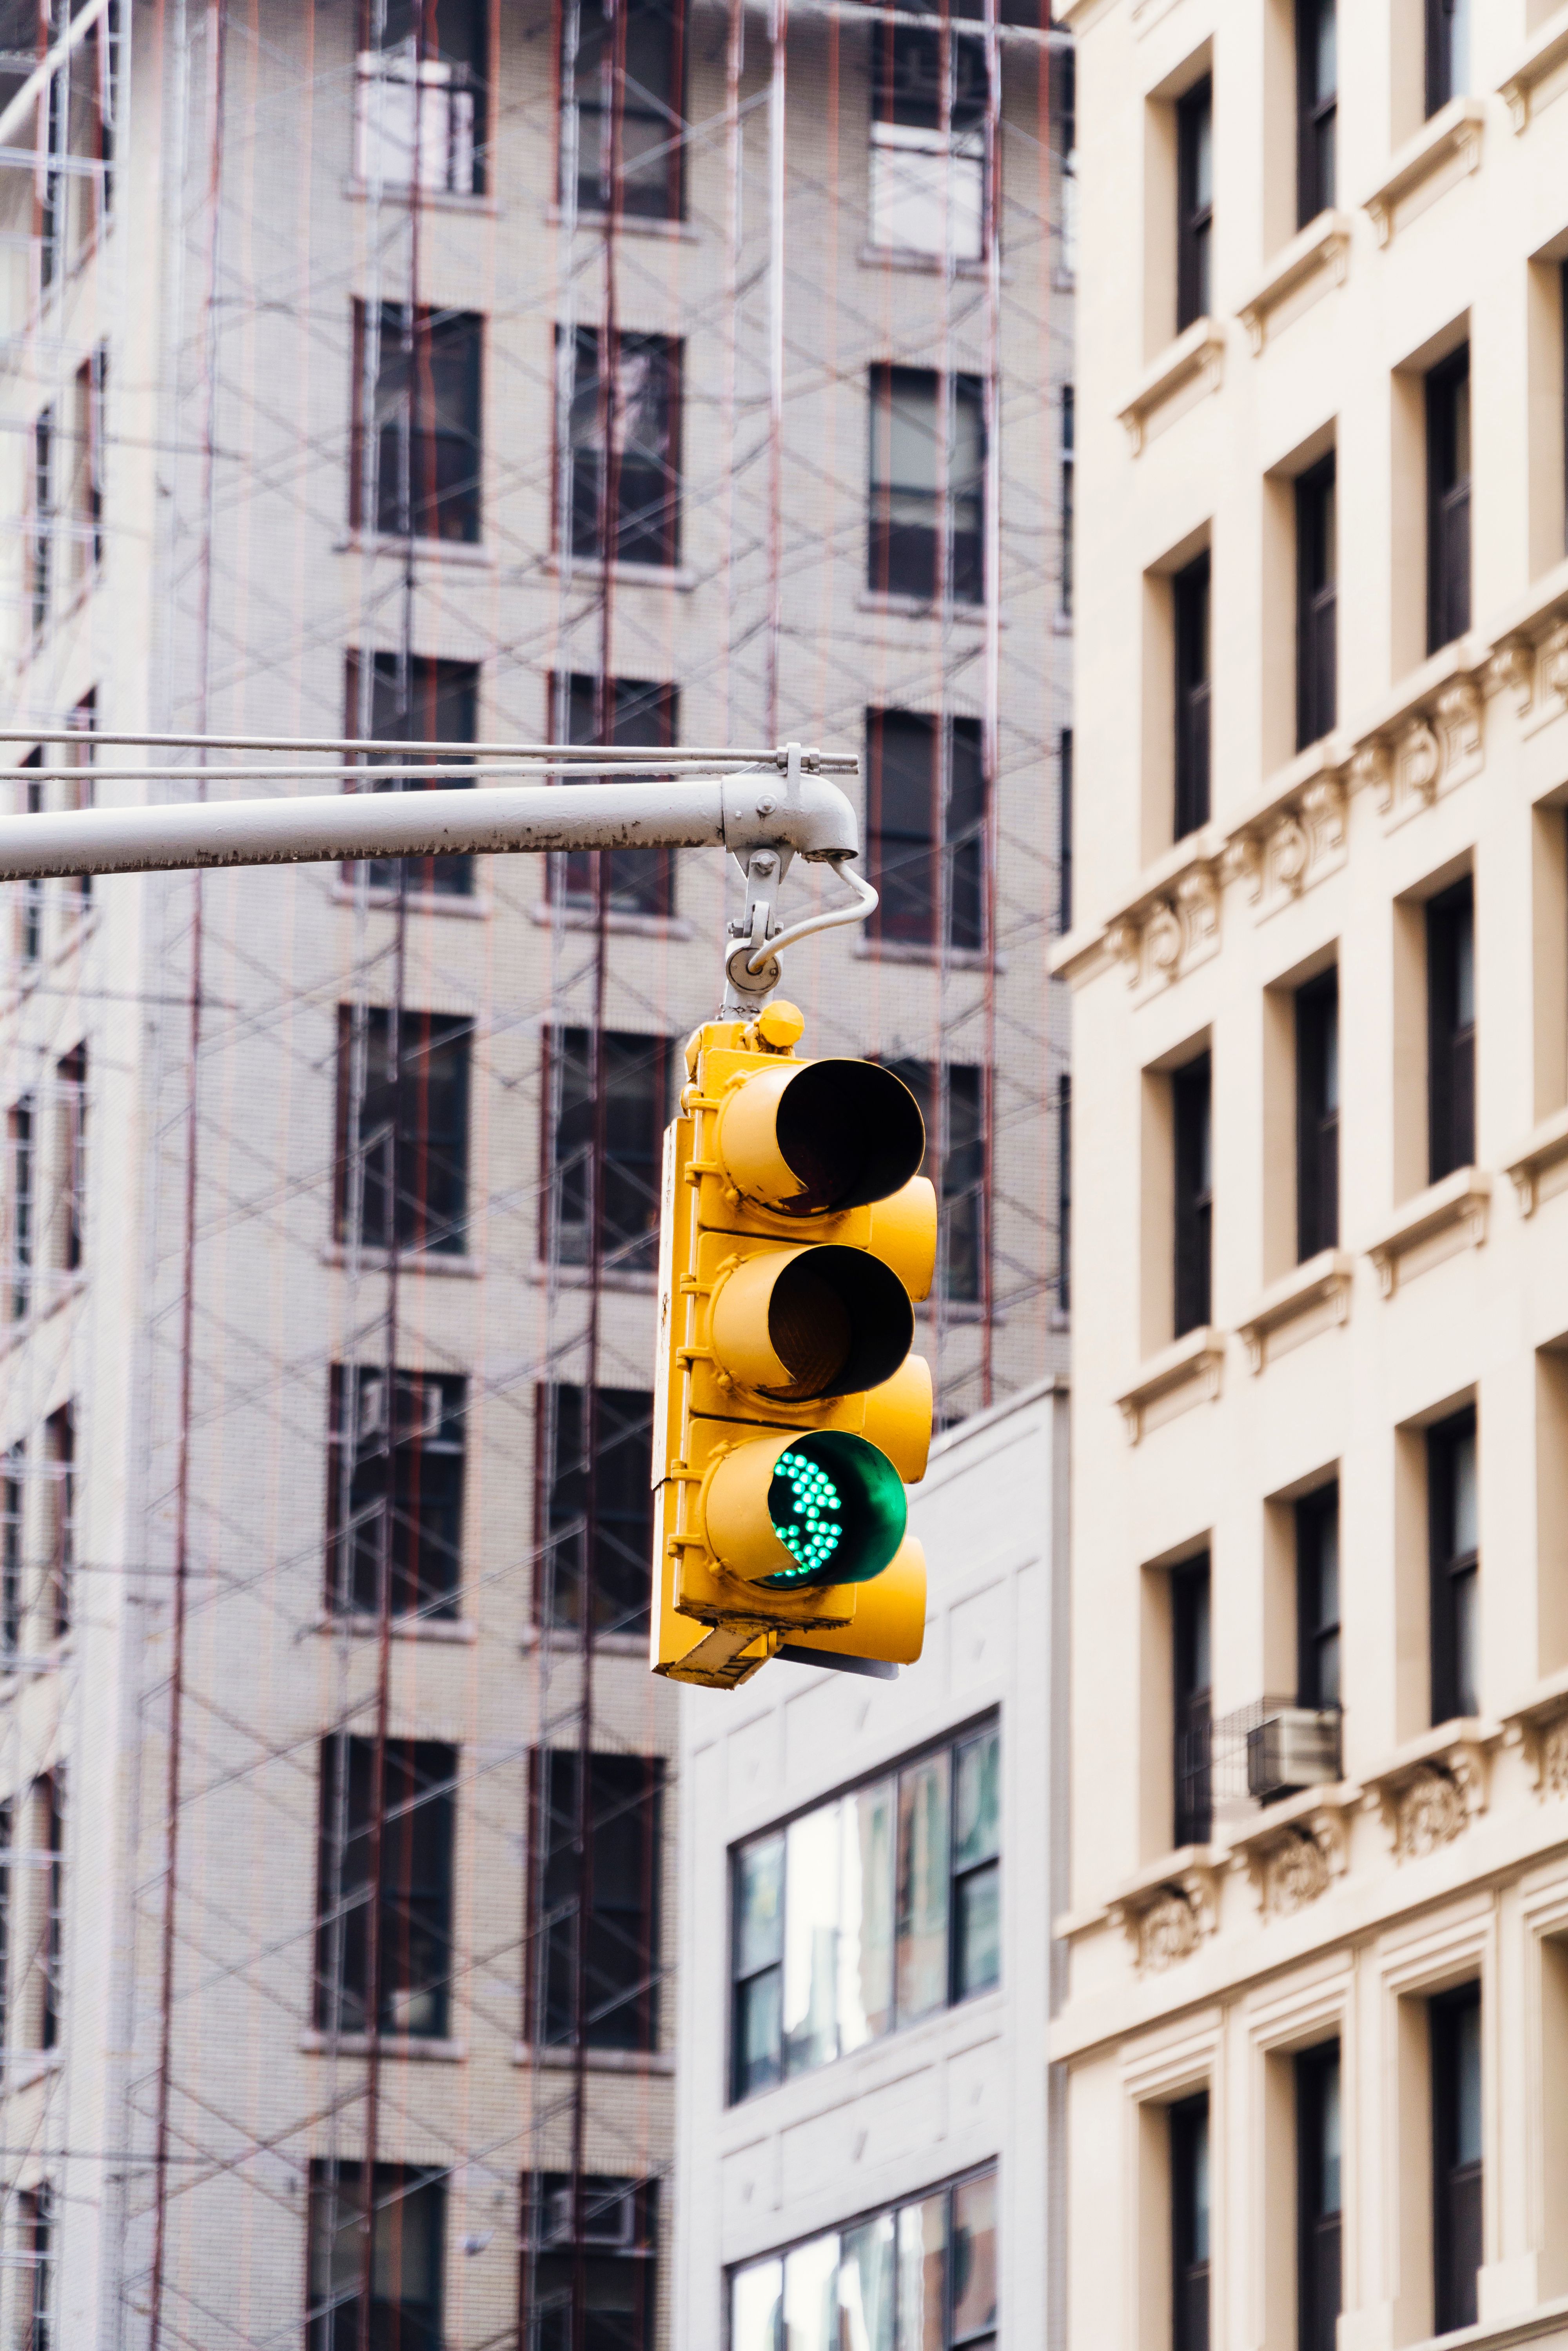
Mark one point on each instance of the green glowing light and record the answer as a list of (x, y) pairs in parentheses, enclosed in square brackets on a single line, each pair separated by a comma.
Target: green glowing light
[(799, 1501)]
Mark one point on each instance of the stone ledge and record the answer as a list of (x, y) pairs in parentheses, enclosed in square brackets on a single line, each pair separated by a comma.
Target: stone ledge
[(1299, 1847), (1196, 1359), (1428, 1791), (1171, 1906), (1541, 1148), (1322, 245), (1462, 1198), (1454, 130), (1537, 1722), (1199, 350), (1548, 50), (1322, 1280)]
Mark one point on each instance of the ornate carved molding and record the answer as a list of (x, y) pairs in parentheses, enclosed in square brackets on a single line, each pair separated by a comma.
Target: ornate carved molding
[(1166, 1919), (1511, 669), (1430, 1794)]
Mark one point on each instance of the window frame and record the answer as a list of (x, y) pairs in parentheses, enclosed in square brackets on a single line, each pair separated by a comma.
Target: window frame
[(1450, 923), (322, 2330), (1316, 2323), (1442, 77), (555, 1926), (644, 713), (1453, 1609), (1454, 2283), (411, 61), (1317, 601), (959, 1168), (418, 340), (556, 1532), (952, 866), (440, 701), (403, 1449), (1192, 661), (1190, 2120), (429, 1773), (948, 1743), (929, 580), (1316, 187), (420, 1034), (671, 109), (621, 1250), (1195, 210), (1450, 476), (1315, 1631), (1316, 1020), (1192, 1188), (658, 526), (1192, 1701), (635, 2250)]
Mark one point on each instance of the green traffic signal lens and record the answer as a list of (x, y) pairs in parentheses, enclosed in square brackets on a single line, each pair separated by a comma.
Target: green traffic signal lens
[(838, 1507)]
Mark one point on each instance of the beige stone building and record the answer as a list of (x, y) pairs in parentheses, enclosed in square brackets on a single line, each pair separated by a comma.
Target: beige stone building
[(337, 1801), (1316, 2029)]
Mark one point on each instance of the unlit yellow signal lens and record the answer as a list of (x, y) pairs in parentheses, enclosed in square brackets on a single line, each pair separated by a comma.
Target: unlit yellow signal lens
[(809, 1139), (795, 1325)]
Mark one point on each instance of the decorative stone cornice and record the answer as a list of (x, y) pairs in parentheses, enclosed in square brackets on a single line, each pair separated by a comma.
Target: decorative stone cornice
[(1198, 351), (1539, 1724), (1454, 131), (1462, 1198), (1546, 53), (1167, 1911), (1529, 1161), (1323, 1280), (1322, 247), (1194, 1361), (1429, 1793), (1299, 1848)]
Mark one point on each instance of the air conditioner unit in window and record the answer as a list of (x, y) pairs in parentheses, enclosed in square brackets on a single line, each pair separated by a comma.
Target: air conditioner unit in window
[(609, 2216), (1293, 1747)]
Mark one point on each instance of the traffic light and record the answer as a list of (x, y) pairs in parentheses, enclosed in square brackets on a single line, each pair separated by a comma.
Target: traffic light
[(795, 1239)]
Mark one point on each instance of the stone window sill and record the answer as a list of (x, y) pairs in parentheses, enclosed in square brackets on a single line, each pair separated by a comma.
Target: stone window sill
[(599, 2061), (475, 909), (1539, 1723), (1454, 132), (1323, 1280), (1324, 245), (458, 552), (1542, 1150), (923, 608), (460, 1630), (914, 951), (564, 1642), (591, 571), (619, 925), (1194, 1362), (671, 232), (431, 200), (1462, 1198), (1198, 351), (389, 2045), (1539, 65)]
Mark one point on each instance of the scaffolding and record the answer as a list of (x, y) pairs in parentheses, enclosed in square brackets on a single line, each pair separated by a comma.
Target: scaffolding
[(427, 372)]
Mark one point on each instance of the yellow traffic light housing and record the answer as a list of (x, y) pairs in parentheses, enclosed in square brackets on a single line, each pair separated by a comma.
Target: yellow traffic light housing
[(796, 1238)]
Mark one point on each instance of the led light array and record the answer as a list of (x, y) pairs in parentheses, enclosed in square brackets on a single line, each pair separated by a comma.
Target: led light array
[(808, 1532)]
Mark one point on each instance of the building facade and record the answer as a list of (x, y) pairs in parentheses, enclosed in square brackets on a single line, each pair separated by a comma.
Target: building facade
[(1314, 2029), (458, 375), (862, 2138)]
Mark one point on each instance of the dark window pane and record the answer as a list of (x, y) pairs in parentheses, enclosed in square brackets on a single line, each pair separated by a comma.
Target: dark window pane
[(1456, 2058), (1317, 1599), (1064, 836), (1193, 1157), (1318, 2196), (956, 1163), (622, 449), (1448, 499), (1192, 1697), (1451, 1030), (1453, 1530), (1317, 97), (589, 2263), (1064, 1194), (1191, 613), (641, 716), (927, 894), (395, 1492), (1317, 1116), (615, 2005), (646, 86), (414, 701), (414, 447), (409, 2227), (1317, 605), (392, 1922), (1194, 204), (404, 1162), (758, 1948), (1447, 51), (911, 522), (616, 1481), (421, 100), (623, 1191), (1189, 2224)]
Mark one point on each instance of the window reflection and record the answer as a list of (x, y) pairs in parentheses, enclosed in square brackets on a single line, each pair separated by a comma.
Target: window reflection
[(920, 2276)]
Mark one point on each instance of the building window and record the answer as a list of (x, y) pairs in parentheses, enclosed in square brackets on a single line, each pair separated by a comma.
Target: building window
[(408, 2226), (927, 180), (612, 1200), (1318, 2196), (1456, 2057), (1317, 605), (1454, 1532), (1450, 1031), (619, 1557), (1317, 1116), (394, 1493), (21, 1179), (607, 2247), (1317, 1599), (49, 1819), (61, 1453), (641, 716), (926, 538), (952, 1104), (925, 785), (1192, 1696), (1194, 204), (84, 496), (1190, 616), (384, 1888), (1068, 457), (1447, 52), (641, 131), (921, 2275), (900, 1879), (41, 520), (630, 505), (70, 1159), (78, 784), (1317, 101), (391, 698), (403, 1130), (39, 2258), (13, 1528), (597, 1987), (419, 97), (30, 916), (1448, 499), (414, 446), (1191, 1089), (1190, 2210), (1064, 1194), (1064, 834)]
